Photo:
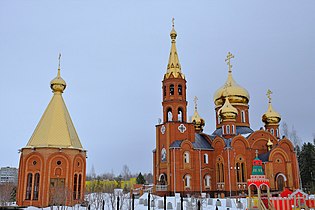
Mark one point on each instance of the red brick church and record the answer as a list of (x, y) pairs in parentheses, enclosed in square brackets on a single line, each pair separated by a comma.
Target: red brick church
[(187, 160)]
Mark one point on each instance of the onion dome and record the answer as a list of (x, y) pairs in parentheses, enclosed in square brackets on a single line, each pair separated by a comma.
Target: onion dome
[(227, 111), (173, 66), (58, 85), (271, 117), (236, 93), (269, 144), (196, 119)]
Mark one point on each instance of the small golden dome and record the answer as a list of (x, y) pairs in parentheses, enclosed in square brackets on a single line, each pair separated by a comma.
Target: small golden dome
[(269, 143), (231, 89), (58, 85), (227, 111), (271, 117), (173, 33), (198, 121)]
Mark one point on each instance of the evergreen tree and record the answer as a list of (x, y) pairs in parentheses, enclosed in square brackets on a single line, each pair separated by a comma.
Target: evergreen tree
[(306, 158), (140, 179)]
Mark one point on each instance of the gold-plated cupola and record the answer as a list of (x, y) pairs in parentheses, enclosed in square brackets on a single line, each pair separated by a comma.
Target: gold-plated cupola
[(227, 111), (271, 117), (196, 119), (58, 85), (236, 93), (173, 66)]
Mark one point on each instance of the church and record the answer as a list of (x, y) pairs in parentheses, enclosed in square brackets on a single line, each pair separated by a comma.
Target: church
[(189, 161), (52, 166)]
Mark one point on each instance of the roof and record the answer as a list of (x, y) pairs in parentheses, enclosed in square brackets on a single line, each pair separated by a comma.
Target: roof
[(264, 157), (201, 142), (55, 128), (239, 130)]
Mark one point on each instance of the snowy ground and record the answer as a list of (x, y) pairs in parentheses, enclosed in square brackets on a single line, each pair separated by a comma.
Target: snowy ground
[(189, 204)]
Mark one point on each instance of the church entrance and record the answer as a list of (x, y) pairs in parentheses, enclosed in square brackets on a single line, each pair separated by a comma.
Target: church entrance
[(280, 180), (57, 192)]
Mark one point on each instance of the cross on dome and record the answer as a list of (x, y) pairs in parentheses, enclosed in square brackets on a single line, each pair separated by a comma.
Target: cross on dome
[(228, 61), (269, 95), (195, 101)]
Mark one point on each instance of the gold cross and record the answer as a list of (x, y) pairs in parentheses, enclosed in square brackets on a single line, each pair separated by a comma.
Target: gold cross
[(173, 20), (256, 153), (269, 95), (228, 61), (195, 100)]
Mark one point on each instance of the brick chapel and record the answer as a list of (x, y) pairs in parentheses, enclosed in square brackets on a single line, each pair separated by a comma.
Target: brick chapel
[(187, 160), (52, 167)]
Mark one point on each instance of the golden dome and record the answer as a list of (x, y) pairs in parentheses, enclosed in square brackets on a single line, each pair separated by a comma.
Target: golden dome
[(231, 89), (58, 85), (271, 117), (227, 111), (269, 143), (196, 119)]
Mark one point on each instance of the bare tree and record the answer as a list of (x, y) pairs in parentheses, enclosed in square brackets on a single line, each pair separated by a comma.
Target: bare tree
[(6, 190), (125, 173)]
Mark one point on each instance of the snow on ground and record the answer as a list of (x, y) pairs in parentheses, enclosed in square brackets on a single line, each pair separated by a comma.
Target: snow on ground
[(141, 204)]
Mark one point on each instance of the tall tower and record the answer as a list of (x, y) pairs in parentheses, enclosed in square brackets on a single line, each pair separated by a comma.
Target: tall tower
[(53, 163), (174, 129)]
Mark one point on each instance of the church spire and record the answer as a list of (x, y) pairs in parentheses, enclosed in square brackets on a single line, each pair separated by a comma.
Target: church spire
[(173, 66)]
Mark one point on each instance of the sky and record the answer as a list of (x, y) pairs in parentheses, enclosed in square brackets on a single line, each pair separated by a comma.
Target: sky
[(114, 56)]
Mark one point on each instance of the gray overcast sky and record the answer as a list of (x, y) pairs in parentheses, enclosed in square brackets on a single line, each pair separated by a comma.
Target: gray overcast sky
[(114, 55)]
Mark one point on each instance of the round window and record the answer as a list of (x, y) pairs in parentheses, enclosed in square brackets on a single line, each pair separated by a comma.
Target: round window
[(34, 162), (58, 162)]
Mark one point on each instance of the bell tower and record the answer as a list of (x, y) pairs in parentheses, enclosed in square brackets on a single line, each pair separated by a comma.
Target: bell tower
[(174, 87)]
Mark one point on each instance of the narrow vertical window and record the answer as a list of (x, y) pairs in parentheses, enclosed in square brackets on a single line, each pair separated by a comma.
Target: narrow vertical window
[(223, 129), (272, 131), (278, 134), (187, 181), (75, 186), (169, 115), (207, 181), (228, 129), (180, 90), (36, 187), (205, 158), (29, 186), (243, 172), (171, 90), (180, 115), (233, 129), (243, 116), (222, 172), (218, 173), (186, 157), (79, 186)]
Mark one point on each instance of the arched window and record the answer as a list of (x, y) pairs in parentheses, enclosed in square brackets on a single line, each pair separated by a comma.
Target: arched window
[(79, 186), (29, 186), (169, 114), (186, 157), (278, 134), (272, 131), (280, 180), (187, 180), (163, 155), (228, 131), (171, 90), (220, 170), (162, 179), (207, 181), (180, 90), (180, 115), (205, 158), (75, 186), (240, 170), (223, 129), (233, 129), (243, 116), (36, 187)]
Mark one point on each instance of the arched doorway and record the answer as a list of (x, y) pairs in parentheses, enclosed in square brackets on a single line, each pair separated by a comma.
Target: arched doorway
[(280, 181)]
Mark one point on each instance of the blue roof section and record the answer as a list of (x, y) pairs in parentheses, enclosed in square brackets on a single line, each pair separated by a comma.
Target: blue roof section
[(176, 144), (264, 157), (201, 142), (239, 130)]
